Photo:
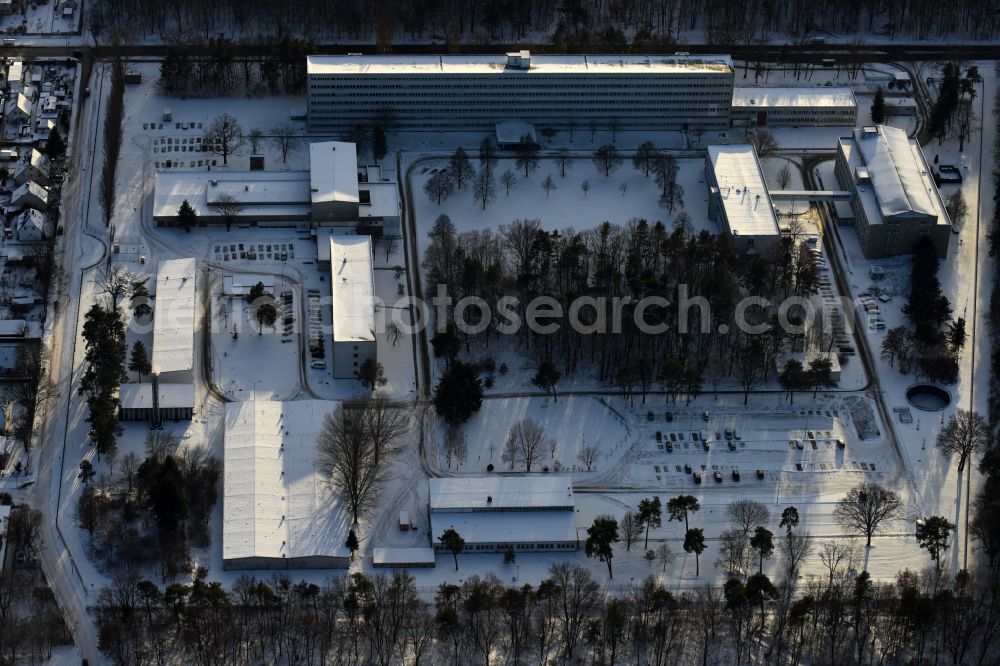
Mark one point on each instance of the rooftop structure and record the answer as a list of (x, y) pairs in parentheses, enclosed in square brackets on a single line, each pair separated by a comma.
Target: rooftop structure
[(333, 176), (788, 97), (278, 511), (738, 197), (530, 513), (475, 92), (396, 558), (173, 320), (891, 181)]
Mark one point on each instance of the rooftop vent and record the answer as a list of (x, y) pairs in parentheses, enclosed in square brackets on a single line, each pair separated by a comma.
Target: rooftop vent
[(489, 499)]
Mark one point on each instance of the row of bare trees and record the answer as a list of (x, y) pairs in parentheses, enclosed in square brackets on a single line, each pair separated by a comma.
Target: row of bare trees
[(582, 24), (114, 116), (386, 619)]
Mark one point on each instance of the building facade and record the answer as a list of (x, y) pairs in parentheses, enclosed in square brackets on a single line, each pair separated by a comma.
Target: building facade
[(893, 196), (476, 92), (794, 107)]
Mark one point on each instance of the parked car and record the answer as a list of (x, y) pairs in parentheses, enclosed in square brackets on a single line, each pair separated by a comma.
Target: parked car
[(736, 475), (729, 433), (696, 476), (718, 476), (760, 474), (670, 417), (705, 415)]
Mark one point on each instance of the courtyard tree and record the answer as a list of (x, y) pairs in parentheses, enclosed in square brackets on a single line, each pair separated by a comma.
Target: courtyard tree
[(789, 519), (87, 471), (459, 393), (139, 360), (820, 374), (585, 187), (509, 180), (439, 186), (645, 157), (285, 137), (588, 456), (453, 543), (607, 159), (681, 507), (546, 377), (527, 442), (933, 535), (966, 434), (694, 542), (224, 136), (763, 542), (460, 168), (355, 448), (866, 508), (139, 299), (665, 556), (602, 535), (563, 161), (747, 514), (372, 374), (186, 216), (548, 184), (484, 189), (957, 208), (897, 346), (631, 529), (527, 156), (878, 106), (264, 313), (352, 542), (763, 142), (229, 209), (650, 515), (784, 177), (380, 144), (255, 136)]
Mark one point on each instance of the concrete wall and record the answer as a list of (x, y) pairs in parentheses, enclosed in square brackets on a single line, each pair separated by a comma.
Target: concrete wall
[(344, 358)]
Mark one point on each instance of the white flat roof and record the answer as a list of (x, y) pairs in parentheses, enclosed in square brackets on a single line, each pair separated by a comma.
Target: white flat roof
[(275, 503), (497, 64), (173, 317), (352, 287), (899, 175), (140, 395), (500, 492), (507, 526), (794, 97), (273, 193), (402, 556), (384, 200), (333, 169), (742, 190)]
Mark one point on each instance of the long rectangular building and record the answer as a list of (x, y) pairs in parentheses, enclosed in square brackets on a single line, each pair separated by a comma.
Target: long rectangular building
[(173, 320), (475, 92), (738, 198), (352, 291), (794, 107), (526, 513)]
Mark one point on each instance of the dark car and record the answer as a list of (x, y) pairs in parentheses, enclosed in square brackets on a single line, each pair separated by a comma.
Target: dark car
[(718, 476), (736, 475), (697, 477)]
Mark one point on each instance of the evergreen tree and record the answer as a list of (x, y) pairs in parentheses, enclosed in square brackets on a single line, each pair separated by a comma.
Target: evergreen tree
[(186, 216), (139, 361), (55, 147), (459, 393), (878, 106), (352, 543), (546, 377), (453, 542), (602, 535)]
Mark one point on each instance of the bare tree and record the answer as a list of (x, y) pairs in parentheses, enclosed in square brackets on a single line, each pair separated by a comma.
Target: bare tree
[(548, 184), (354, 448), (965, 434), (734, 552), (527, 442), (866, 508), (115, 283), (286, 138), (229, 209), (30, 384), (795, 549), (389, 245), (160, 444), (455, 447), (630, 529), (130, 467), (588, 456), (224, 136), (838, 556), (665, 556), (255, 136), (509, 180), (748, 514), (763, 142), (784, 177)]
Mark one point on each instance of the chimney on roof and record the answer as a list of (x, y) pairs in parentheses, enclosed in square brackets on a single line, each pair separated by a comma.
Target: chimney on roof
[(519, 60), (489, 499)]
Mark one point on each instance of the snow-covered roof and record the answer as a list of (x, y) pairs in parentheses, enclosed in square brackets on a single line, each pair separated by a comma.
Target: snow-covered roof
[(333, 172), (30, 188), (497, 64), (352, 287), (742, 190), (507, 527), (140, 395), (15, 71), (13, 328), (383, 200), (276, 504), (173, 319), (272, 193), (20, 103), (499, 493), (899, 176), (387, 557), (241, 284), (30, 218), (794, 97)]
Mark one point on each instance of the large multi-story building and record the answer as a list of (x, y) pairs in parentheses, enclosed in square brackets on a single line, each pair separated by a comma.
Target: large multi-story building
[(893, 196), (465, 92)]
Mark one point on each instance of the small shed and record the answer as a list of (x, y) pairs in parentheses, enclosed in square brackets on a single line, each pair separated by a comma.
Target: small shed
[(404, 521), (399, 558)]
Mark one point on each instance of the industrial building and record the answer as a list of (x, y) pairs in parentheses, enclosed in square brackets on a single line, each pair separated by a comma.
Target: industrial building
[(173, 320), (893, 196), (794, 107), (278, 510), (155, 402), (352, 290), (738, 198), (475, 92), (336, 191), (526, 513)]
